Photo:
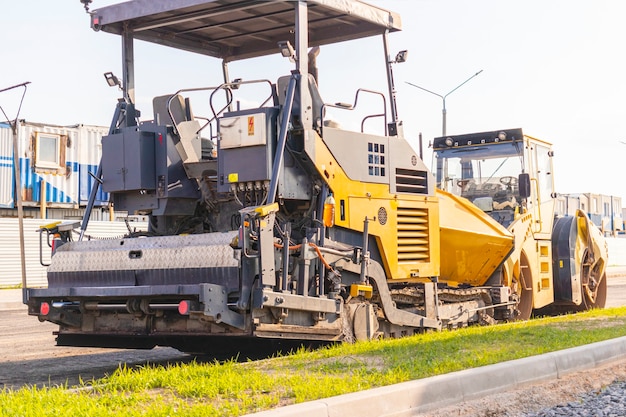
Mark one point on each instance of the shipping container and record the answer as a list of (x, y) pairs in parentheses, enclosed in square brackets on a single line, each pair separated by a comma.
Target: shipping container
[(56, 165), (7, 173)]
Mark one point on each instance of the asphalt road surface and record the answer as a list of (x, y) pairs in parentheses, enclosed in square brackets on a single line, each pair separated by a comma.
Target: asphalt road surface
[(616, 291), (29, 356)]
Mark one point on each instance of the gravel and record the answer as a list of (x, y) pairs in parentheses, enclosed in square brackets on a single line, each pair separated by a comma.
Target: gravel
[(598, 392), (608, 402)]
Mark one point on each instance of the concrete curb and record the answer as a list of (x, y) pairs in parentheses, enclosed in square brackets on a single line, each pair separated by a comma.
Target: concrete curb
[(423, 395)]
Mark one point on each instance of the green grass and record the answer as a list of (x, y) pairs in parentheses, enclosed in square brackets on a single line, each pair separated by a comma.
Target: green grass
[(231, 388)]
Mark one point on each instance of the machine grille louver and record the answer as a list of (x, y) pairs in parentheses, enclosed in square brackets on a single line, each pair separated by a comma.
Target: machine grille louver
[(411, 181), (413, 236)]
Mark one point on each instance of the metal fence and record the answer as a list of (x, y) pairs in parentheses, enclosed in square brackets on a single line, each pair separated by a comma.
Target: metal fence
[(10, 257)]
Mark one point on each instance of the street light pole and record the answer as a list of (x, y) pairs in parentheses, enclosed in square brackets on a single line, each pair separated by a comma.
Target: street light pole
[(18, 187), (443, 99)]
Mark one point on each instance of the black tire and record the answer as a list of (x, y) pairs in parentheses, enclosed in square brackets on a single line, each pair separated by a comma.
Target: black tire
[(574, 264)]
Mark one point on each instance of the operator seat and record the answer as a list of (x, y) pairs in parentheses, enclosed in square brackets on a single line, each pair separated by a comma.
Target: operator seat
[(179, 107), (182, 118)]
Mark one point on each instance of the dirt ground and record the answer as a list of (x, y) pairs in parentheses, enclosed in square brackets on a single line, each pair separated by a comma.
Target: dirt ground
[(535, 397), (29, 355)]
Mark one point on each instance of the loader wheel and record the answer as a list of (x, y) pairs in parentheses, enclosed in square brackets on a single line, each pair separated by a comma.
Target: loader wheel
[(593, 286), (523, 288), (600, 295), (525, 306)]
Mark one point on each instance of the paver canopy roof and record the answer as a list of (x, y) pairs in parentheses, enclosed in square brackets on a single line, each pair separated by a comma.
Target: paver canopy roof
[(238, 29)]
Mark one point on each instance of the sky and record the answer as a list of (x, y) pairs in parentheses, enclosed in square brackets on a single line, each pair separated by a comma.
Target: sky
[(555, 68)]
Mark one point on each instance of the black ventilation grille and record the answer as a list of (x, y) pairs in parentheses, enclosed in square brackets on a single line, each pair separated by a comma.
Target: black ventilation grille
[(411, 181)]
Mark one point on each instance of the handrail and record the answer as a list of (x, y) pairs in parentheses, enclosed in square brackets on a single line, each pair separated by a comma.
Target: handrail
[(345, 106), (228, 87)]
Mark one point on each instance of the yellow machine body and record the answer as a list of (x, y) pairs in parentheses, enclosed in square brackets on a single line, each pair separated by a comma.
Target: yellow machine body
[(406, 227), (473, 245), (439, 235)]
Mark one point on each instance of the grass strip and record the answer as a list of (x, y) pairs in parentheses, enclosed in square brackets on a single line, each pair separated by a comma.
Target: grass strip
[(232, 389)]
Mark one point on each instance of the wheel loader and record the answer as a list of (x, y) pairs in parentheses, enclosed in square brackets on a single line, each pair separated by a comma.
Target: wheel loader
[(558, 263), (270, 221)]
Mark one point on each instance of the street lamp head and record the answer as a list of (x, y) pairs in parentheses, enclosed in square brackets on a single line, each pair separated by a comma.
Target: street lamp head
[(443, 98)]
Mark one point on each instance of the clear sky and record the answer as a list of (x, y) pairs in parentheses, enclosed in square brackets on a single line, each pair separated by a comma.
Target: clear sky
[(556, 68)]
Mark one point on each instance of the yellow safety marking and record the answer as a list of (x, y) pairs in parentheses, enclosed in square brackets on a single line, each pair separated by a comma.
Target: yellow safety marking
[(361, 289), (267, 209), (234, 177), (50, 225)]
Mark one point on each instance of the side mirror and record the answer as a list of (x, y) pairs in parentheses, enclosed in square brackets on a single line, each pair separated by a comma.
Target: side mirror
[(524, 185)]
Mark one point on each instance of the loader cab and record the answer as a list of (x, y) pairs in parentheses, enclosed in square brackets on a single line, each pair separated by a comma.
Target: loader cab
[(504, 173)]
